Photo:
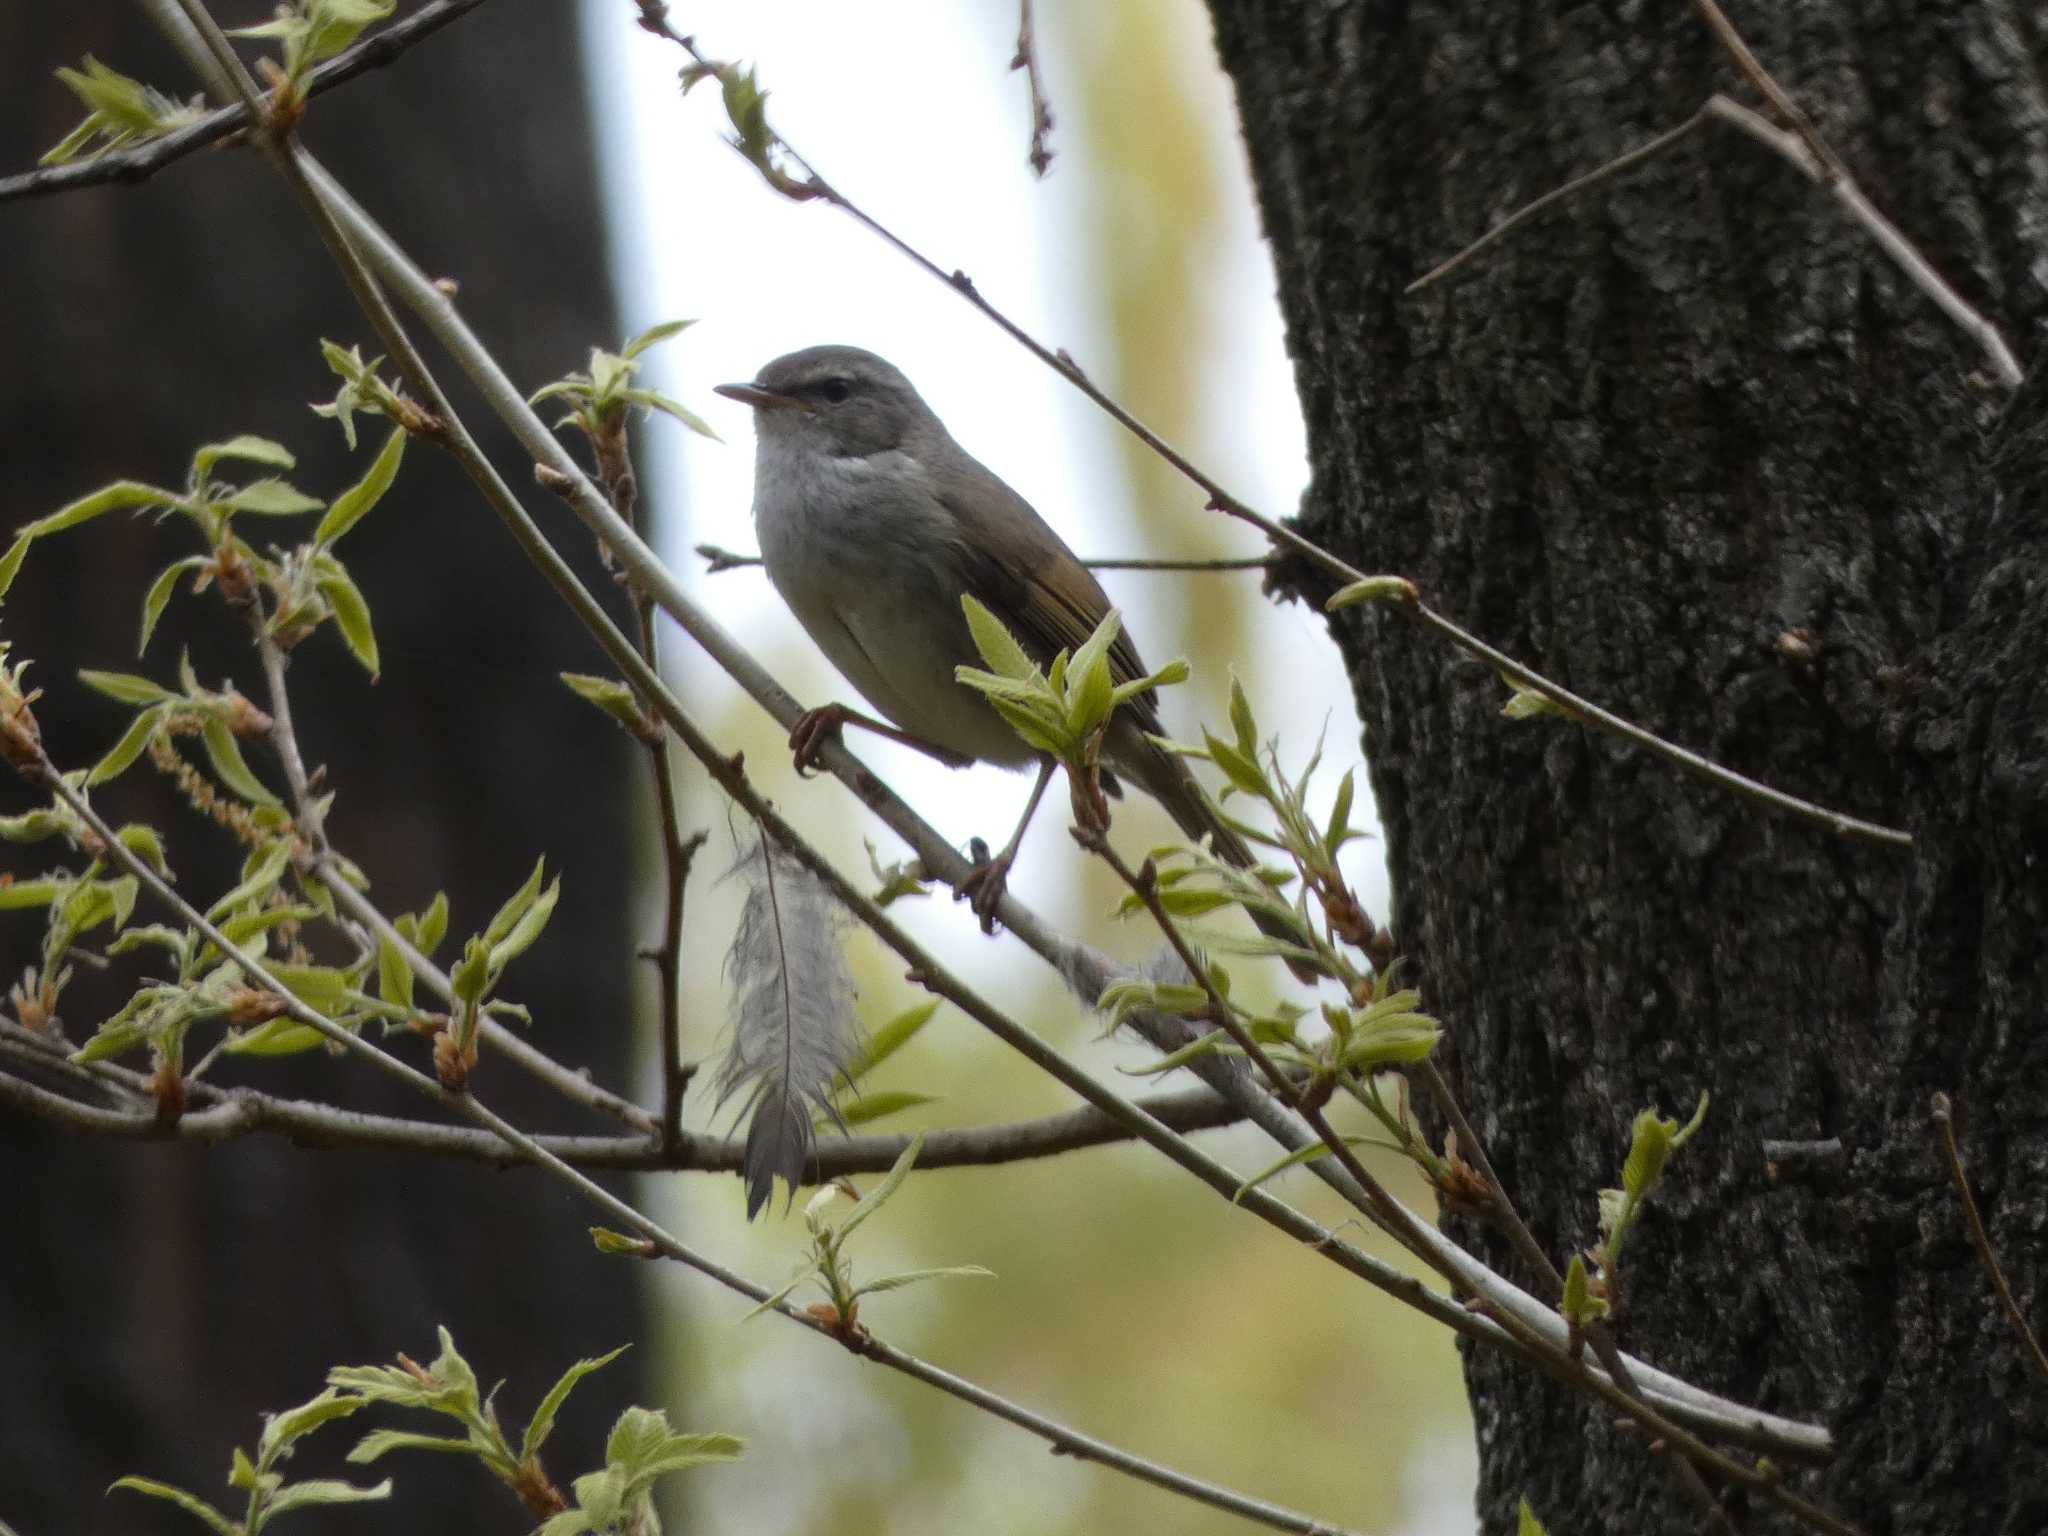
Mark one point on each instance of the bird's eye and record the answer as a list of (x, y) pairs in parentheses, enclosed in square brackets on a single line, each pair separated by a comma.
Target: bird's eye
[(836, 391)]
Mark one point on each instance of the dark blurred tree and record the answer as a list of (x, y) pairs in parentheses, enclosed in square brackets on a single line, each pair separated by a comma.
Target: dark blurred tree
[(153, 1299), (1696, 448)]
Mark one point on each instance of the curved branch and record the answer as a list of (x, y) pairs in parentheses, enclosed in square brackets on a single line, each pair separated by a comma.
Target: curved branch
[(145, 160)]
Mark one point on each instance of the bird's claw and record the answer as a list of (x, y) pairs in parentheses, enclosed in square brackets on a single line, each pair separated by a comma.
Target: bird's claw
[(808, 737), (985, 883)]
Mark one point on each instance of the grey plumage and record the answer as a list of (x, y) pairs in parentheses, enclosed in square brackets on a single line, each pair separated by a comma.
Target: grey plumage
[(874, 523), (794, 1030)]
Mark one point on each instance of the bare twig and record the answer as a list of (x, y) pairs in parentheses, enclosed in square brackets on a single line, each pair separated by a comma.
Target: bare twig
[(1780, 100), (1557, 196), (145, 160), (1980, 1238), (312, 1124), (1809, 154), (1041, 105)]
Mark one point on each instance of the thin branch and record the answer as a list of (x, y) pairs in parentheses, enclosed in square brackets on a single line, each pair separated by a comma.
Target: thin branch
[(1722, 28), (718, 559), (1887, 235), (1534, 209), (145, 160), (248, 1111), (1980, 1238), (1041, 105)]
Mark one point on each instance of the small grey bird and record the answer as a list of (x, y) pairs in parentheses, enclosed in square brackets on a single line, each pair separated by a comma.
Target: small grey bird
[(873, 523)]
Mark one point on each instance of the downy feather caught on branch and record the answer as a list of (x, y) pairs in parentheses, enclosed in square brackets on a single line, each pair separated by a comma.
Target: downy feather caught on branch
[(794, 1030)]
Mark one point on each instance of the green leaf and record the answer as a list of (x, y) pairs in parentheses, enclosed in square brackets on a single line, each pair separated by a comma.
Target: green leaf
[(1374, 589), (270, 498), (896, 1282), (542, 1423), (1300, 1155), (352, 616), (1338, 832), (108, 498), (433, 924), (643, 1446), (275, 1037), (1528, 704), (121, 756), (870, 1107), (1242, 771), (875, 1198), (608, 1241), (17, 895), (261, 872), (352, 504), (611, 696), (394, 976), (10, 563), (379, 1442), (654, 335), (1005, 657), (142, 840), (126, 687), (191, 1503), (229, 766), (1579, 1306), (323, 1490), (159, 596), (281, 1429), (508, 915), (1526, 1523), (889, 1039), (675, 408), (323, 988), (1242, 725), (527, 928), (253, 450)]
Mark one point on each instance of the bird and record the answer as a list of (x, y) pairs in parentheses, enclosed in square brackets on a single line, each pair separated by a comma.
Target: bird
[(873, 525)]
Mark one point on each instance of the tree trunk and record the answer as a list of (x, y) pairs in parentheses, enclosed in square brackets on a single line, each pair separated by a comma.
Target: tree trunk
[(1694, 447), (155, 1299)]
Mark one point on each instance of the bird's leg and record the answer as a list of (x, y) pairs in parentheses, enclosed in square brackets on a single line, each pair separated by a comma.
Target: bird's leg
[(817, 726), (983, 887)]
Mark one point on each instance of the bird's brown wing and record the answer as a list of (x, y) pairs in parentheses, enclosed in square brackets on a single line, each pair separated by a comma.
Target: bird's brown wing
[(1022, 571)]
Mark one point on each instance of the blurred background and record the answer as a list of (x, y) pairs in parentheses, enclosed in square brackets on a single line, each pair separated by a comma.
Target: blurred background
[(1128, 1302)]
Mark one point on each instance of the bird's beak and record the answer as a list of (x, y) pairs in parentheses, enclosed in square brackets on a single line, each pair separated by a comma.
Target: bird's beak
[(760, 399)]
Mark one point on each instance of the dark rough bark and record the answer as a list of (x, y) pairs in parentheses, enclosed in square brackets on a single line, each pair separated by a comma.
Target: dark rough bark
[(155, 1299), (1652, 436)]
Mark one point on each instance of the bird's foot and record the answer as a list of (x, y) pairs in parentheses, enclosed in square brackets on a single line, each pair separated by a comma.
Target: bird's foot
[(813, 729), (985, 883)]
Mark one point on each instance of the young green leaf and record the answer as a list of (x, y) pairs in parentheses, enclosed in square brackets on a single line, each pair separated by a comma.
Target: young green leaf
[(542, 1424), (352, 617), (229, 766), (270, 498), (126, 687), (248, 448), (351, 505), (121, 756), (191, 1503), (1005, 657)]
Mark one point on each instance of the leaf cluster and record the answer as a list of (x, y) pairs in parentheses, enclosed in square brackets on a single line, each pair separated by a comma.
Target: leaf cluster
[(829, 1264), (599, 397), (1065, 709), (119, 111)]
